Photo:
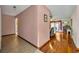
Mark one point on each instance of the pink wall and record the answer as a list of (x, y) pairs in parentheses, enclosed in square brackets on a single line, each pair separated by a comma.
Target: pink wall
[(75, 23), (43, 27), (8, 25), (32, 26), (27, 25)]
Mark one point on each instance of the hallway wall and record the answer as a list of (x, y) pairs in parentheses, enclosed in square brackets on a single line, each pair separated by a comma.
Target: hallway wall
[(32, 26), (75, 26), (8, 24), (0, 28), (43, 27), (27, 24)]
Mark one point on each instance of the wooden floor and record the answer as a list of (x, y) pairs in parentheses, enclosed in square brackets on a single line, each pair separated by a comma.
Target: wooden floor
[(60, 43), (15, 44)]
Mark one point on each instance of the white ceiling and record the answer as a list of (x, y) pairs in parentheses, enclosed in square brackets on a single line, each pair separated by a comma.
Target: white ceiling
[(58, 11), (9, 10), (62, 11)]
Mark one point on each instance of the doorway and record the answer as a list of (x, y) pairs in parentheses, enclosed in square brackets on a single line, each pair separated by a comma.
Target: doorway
[(56, 26), (16, 26)]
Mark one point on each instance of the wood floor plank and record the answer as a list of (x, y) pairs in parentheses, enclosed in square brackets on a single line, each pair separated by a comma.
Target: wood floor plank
[(65, 45)]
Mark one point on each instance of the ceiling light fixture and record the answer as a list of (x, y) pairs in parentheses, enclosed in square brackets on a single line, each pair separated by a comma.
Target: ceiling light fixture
[(14, 6)]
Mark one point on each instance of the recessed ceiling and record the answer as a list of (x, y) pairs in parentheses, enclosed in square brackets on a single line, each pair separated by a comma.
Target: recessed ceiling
[(62, 11), (9, 10)]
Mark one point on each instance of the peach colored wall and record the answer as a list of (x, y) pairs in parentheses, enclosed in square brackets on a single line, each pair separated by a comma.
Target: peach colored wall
[(27, 24), (0, 28), (43, 27), (32, 26), (75, 23), (8, 24)]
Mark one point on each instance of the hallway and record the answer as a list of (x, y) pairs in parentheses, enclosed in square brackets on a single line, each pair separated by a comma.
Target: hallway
[(65, 45), (14, 44), (34, 24)]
